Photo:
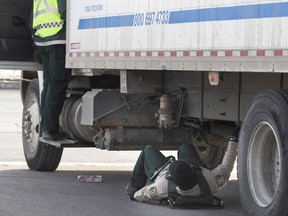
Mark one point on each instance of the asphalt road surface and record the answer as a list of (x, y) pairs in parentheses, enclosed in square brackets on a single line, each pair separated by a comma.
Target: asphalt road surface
[(28, 193)]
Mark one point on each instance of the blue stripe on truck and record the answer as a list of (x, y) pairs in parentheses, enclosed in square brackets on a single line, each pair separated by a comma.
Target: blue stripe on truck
[(196, 15), (106, 22), (230, 13)]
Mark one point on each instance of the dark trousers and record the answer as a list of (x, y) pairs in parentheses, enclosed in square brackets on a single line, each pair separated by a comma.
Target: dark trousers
[(56, 80), (151, 158)]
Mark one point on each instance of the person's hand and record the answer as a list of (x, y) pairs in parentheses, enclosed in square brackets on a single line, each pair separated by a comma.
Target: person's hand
[(132, 195), (171, 157), (235, 134), (130, 191)]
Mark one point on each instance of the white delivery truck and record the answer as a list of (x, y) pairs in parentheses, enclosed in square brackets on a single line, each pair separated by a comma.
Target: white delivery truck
[(164, 73)]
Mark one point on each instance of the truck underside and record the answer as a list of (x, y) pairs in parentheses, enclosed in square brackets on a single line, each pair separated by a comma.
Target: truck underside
[(176, 107)]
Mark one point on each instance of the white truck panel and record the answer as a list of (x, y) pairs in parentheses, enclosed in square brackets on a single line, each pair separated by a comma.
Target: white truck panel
[(178, 35)]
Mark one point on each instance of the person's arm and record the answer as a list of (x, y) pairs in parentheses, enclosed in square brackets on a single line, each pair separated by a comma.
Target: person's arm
[(143, 195), (31, 23), (222, 172), (62, 8), (153, 192)]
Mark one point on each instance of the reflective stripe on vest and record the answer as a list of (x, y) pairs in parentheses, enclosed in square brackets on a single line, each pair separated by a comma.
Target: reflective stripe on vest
[(46, 18)]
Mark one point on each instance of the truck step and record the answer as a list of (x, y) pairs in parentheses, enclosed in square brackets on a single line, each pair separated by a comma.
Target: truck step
[(60, 143)]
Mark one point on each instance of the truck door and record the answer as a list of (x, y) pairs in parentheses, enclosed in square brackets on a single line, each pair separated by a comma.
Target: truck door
[(15, 35)]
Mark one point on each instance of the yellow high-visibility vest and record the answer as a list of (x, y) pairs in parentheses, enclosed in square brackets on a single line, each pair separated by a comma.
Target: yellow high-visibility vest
[(46, 18)]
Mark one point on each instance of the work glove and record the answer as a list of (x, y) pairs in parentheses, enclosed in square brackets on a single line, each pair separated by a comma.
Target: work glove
[(170, 157), (132, 195), (235, 134), (130, 191)]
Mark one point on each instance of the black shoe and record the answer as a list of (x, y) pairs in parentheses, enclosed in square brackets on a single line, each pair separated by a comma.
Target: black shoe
[(52, 136)]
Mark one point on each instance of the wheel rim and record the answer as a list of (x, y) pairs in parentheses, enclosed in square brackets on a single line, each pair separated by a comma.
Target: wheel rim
[(264, 164), (31, 125)]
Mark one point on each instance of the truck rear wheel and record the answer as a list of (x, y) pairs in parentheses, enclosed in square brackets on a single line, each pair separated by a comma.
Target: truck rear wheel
[(39, 156), (262, 157)]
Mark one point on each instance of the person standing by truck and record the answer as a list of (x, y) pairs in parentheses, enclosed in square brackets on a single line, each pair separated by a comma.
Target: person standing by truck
[(187, 176), (49, 29)]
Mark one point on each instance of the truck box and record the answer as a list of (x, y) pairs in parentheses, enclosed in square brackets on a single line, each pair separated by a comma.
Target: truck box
[(238, 35)]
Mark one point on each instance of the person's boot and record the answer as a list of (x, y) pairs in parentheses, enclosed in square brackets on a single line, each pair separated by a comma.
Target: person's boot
[(47, 135)]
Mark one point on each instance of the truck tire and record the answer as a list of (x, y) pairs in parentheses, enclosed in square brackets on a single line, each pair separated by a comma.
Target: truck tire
[(39, 156), (262, 156)]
